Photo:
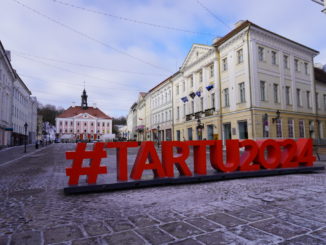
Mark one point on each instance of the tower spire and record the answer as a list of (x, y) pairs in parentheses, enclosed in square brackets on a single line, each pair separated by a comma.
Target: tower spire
[(84, 99)]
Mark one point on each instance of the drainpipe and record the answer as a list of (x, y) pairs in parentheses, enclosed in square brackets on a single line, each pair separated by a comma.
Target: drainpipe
[(172, 98), (220, 89), (250, 90)]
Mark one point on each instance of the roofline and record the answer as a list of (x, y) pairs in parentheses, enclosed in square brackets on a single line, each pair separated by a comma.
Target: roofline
[(7, 59), (163, 81), (22, 82), (248, 23)]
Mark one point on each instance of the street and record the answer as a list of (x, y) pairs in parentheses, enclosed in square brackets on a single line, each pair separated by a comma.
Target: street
[(288, 209)]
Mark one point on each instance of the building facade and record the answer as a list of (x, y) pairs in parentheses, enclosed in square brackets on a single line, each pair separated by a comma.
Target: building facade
[(7, 78), (17, 107), (84, 123), (251, 83)]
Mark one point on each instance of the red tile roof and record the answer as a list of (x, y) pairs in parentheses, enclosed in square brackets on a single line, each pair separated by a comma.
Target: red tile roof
[(76, 110)]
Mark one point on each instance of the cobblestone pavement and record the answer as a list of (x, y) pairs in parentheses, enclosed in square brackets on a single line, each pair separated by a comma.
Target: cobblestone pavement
[(12, 153), (289, 209)]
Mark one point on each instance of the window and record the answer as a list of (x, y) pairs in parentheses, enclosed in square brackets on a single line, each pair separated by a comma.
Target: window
[(192, 107), (225, 64), (70, 123), (287, 95), (286, 61), (317, 102), (202, 104), (60, 123), (191, 81), (66, 123), (213, 100), (273, 57), (262, 91), (98, 124), (242, 92), (306, 68), (296, 64), (261, 53), (226, 97), (278, 128), (275, 89), (108, 124), (240, 56), (65, 130), (200, 74), (78, 124), (211, 70), (103, 124), (85, 124), (298, 97), (290, 128), (301, 128), (308, 99)]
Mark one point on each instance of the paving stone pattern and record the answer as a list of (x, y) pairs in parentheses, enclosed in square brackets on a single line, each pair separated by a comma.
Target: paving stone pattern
[(289, 209)]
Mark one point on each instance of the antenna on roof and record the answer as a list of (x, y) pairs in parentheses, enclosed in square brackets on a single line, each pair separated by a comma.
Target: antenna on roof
[(84, 85)]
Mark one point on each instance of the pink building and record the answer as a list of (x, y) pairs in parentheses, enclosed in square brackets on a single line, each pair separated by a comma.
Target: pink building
[(83, 123)]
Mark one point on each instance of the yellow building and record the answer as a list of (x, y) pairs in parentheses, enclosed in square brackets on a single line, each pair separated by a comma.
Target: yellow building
[(251, 83)]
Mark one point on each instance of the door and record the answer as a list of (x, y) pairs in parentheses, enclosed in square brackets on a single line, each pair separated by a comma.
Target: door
[(243, 130), (227, 131)]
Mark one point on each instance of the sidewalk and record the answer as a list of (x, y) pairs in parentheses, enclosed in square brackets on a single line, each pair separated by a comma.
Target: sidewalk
[(16, 152)]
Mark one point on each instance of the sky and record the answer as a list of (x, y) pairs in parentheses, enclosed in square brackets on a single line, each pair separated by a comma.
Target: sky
[(117, 49)]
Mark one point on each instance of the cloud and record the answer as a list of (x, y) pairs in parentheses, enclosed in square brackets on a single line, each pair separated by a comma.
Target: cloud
[(114, 92)]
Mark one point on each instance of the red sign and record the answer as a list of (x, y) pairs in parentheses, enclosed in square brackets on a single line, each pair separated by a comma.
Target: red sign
[(256, 155)]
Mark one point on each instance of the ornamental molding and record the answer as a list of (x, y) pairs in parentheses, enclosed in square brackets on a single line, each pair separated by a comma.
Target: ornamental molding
[(233, 39), (280, 43), (185, 67)]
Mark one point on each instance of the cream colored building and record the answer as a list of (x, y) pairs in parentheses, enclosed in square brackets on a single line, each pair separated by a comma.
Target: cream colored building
[(251, 83), (263, 88), (195, 95)]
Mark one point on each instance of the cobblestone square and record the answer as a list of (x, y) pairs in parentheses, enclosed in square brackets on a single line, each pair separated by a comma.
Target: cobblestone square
[(287, 209)]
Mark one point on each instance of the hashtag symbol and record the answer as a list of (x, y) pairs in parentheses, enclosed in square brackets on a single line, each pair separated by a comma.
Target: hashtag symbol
[(94, 168)]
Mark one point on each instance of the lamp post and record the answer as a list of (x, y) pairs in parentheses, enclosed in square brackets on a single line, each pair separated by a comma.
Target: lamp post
[(158, 135), (200, 127), (25, 126)]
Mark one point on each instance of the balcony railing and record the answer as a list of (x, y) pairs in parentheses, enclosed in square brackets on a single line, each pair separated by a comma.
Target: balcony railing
[(209, 112)]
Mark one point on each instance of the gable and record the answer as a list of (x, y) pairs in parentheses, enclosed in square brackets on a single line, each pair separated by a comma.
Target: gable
[(196, 52), (84, 116)]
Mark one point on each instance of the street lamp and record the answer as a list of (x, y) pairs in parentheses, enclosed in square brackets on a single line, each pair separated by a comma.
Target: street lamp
[(158, 135), (277, 116), (200, 127), (25, 126)]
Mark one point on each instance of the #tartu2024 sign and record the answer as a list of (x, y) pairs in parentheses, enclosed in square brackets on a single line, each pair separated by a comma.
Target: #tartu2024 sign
[(256, 155)]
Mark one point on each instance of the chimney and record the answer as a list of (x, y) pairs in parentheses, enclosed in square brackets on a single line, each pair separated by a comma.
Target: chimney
[(8, 54), (94, 105), (216, 39), (73, 104), (237, 24)]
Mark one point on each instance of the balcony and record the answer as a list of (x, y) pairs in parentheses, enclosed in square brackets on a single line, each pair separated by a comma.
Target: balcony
[(189, 117), (209, 112)]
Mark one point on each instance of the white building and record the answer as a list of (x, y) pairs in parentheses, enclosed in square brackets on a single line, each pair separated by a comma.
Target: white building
[(24, 111), (161, 116), (17, 107), (84, 123), (7, 78)]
